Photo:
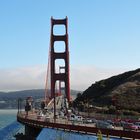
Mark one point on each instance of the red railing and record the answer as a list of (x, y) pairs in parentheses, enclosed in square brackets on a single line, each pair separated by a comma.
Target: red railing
[(76, 128)]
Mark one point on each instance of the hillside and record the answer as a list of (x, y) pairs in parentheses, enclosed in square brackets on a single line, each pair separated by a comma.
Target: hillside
[(121, 92), (9, 99)]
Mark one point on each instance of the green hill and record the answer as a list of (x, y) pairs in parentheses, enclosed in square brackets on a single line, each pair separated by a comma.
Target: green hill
[(121, 92)]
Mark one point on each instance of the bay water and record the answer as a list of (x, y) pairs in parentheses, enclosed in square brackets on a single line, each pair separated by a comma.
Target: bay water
[(7, 117)]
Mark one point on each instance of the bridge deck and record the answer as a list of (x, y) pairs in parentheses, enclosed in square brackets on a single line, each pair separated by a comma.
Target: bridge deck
[(33, 121)]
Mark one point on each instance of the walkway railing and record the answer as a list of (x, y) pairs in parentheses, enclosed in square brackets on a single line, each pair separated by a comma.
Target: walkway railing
[(39, 123)]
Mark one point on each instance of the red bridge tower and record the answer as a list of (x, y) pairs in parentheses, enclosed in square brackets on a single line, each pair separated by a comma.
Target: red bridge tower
[(61, 77)]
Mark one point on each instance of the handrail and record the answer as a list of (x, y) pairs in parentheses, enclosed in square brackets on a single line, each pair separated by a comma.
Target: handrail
[(79, 128)]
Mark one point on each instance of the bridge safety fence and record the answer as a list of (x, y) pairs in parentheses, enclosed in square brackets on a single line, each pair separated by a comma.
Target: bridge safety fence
[(39, 123)]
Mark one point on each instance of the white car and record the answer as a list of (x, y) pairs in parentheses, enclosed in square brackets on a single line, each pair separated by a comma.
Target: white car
[(73, 117)]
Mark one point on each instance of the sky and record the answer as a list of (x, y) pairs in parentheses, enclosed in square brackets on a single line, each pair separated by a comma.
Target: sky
[(104, 40)]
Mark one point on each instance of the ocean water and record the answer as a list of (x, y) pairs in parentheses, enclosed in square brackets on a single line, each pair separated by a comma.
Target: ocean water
[(8, 124), (7, 117)]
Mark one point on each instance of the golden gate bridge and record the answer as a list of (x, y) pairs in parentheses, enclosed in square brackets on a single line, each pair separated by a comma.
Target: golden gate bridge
[(58, 85)]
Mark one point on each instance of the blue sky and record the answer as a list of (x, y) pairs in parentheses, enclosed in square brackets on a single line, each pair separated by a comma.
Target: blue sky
[(103, 34)]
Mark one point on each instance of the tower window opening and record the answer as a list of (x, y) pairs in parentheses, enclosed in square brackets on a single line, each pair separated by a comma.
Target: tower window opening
[(59, 47), (59, 30)]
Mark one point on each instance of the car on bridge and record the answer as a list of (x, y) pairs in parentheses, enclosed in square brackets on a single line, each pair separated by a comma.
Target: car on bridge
[(104, 124), (74, 117), (87, 120), (130, 127)]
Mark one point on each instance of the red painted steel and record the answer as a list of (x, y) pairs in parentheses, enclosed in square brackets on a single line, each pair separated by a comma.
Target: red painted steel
[(59, 55), (81, 129)]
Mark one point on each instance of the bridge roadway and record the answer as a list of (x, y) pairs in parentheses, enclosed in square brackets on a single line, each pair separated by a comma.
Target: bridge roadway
[(32, 120)]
